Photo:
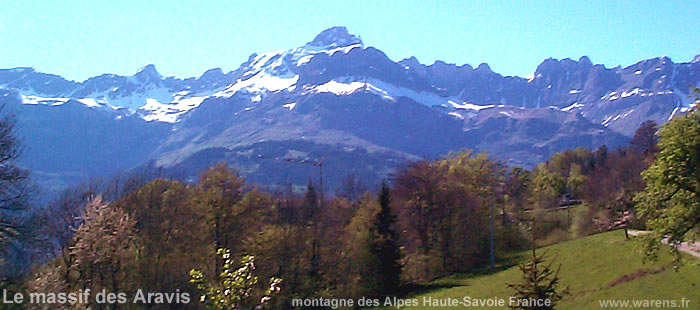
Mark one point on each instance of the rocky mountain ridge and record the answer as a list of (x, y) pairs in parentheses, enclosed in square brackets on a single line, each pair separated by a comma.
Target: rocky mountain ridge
[(333, 95)]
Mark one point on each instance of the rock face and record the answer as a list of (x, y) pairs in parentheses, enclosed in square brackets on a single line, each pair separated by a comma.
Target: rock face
[(332, 100)]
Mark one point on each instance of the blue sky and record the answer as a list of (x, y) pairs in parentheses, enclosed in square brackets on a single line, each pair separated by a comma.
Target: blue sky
[(80, 39)]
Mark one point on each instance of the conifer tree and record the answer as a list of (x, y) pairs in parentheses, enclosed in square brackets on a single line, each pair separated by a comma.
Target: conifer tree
[(539, 287), (310, 205), (385, 245), (310, 211)]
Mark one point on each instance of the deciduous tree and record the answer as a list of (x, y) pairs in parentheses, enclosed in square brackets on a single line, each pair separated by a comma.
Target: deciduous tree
[(671, 199), (14, 186)]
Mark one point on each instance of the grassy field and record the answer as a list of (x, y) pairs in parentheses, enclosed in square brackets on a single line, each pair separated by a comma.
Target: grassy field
[(598, 267)]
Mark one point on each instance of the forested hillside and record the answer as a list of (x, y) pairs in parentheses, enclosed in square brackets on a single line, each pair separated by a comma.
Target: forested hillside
[(433, 218)]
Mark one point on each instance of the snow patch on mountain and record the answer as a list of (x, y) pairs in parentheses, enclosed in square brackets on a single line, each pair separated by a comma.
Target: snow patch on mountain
[(626, 94), (572, 106), (147, 94), (469, 106), (339, 88), (390, 92), (35, 100), (271, 72), (169, 113), (90, 102), (259, 83)]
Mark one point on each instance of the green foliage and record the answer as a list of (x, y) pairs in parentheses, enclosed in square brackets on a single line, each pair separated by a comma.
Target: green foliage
[(360, 264), (371, 253), (517, 185), (433, 221), (563, 162), (575, 180), (671, 199), (173, 234), (582, 221), (546, 187), (235, 287), (544, 195), (539, 282), (439, 203), (218, 195)]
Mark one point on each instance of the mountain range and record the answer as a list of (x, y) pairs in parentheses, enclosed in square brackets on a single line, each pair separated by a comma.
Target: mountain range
[(333, 104)]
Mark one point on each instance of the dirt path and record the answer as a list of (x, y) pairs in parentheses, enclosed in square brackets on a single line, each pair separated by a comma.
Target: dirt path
[(690, 248)]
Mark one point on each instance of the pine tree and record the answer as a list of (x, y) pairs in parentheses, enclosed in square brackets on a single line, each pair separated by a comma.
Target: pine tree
[(310, 211), (385, 245), (538, 289), (310, 206)]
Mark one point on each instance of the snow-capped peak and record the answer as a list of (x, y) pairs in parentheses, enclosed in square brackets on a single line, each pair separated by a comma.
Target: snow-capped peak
[(148, 73), (276, 71), (335, 37)]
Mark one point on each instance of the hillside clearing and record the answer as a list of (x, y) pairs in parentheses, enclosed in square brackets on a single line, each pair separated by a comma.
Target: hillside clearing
[(598, 267)]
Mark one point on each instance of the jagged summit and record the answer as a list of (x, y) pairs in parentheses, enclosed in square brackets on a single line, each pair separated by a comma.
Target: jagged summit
[(148, 73), (334, 37), (333, 96), (584, 60), (213, 74), (148, 70)]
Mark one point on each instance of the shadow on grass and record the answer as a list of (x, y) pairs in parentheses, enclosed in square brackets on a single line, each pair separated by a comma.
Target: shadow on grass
[(417, 289), (458, 280)]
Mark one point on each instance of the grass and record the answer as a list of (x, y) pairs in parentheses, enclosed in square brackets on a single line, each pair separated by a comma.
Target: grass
[(602, 266)]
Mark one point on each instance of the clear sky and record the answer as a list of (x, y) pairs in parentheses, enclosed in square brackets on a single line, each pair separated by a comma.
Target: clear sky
[(80, 39)]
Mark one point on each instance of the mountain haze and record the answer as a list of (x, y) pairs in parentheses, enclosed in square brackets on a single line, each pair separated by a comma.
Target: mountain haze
[(332, 100)]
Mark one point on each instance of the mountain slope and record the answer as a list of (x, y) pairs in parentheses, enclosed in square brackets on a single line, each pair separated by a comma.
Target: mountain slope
[(337, 100)]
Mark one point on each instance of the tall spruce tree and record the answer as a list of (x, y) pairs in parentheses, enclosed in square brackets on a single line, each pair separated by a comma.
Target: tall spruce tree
[(386, 246), (539, 289), (310, 205), (311, 214), (539, 286)]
